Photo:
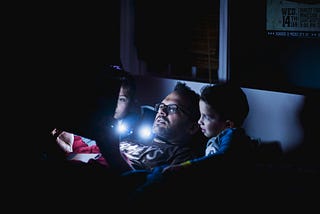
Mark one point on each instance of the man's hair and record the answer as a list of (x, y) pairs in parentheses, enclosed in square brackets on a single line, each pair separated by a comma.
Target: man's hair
[(227, 100), (191, 97)]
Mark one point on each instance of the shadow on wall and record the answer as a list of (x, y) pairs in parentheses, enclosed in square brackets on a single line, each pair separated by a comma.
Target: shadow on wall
[(308, 151), (274, 116), (268, 152)]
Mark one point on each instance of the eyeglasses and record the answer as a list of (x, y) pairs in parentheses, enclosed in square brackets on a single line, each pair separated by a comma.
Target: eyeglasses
[(170, 109)]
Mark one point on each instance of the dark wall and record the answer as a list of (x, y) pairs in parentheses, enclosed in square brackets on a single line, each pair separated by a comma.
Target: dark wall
[(67, 47), (257, 61), (163, 29)]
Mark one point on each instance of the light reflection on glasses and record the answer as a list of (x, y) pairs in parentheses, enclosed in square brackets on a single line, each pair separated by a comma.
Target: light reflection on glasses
[(170, 109)]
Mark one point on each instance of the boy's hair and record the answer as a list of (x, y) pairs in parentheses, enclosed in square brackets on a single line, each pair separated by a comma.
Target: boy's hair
[(227, 100), (191, 96)]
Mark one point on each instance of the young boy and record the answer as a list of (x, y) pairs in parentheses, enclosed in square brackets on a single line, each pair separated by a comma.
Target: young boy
[(223, 108)]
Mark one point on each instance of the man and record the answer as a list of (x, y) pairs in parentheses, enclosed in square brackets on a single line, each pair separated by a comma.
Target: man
[(174, 127), (176, 138)]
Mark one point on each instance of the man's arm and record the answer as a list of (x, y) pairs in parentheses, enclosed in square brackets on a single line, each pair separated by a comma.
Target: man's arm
[(108, 142)]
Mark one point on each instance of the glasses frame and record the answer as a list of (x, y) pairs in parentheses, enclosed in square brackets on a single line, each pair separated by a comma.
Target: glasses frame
[(166, 108)]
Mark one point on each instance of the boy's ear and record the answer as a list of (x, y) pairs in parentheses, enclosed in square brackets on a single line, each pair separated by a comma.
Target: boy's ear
[(229, 124)]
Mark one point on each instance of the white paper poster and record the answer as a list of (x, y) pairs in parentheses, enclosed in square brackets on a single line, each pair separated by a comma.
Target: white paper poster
[(296, 18)]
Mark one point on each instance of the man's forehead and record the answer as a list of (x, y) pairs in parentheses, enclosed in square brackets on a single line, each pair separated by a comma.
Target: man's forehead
[(174, 98), (123, 92)]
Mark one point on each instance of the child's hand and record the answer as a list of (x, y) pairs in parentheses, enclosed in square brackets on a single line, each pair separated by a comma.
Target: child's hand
[(64, 139)]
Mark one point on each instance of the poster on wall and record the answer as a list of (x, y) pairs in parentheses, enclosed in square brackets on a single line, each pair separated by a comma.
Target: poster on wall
[(293, 18)]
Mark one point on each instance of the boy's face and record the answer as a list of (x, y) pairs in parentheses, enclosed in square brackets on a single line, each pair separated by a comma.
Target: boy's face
[(210, 122), (123, 105)]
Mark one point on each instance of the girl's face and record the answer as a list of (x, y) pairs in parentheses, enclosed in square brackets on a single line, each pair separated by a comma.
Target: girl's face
[(210, 122), (123, 105)]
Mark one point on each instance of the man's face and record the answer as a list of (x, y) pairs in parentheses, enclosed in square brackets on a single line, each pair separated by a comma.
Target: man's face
[(123, 105), (172, 127)]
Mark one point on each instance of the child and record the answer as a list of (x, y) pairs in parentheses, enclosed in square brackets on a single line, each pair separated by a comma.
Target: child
[(79, 148), (223, 108)]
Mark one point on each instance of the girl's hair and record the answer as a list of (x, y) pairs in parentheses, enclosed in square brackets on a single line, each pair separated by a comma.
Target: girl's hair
[(126, 80), (128, 83)]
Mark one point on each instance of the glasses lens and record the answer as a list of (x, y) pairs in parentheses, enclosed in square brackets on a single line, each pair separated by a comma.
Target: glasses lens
[(170, 109), (157, 107)]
